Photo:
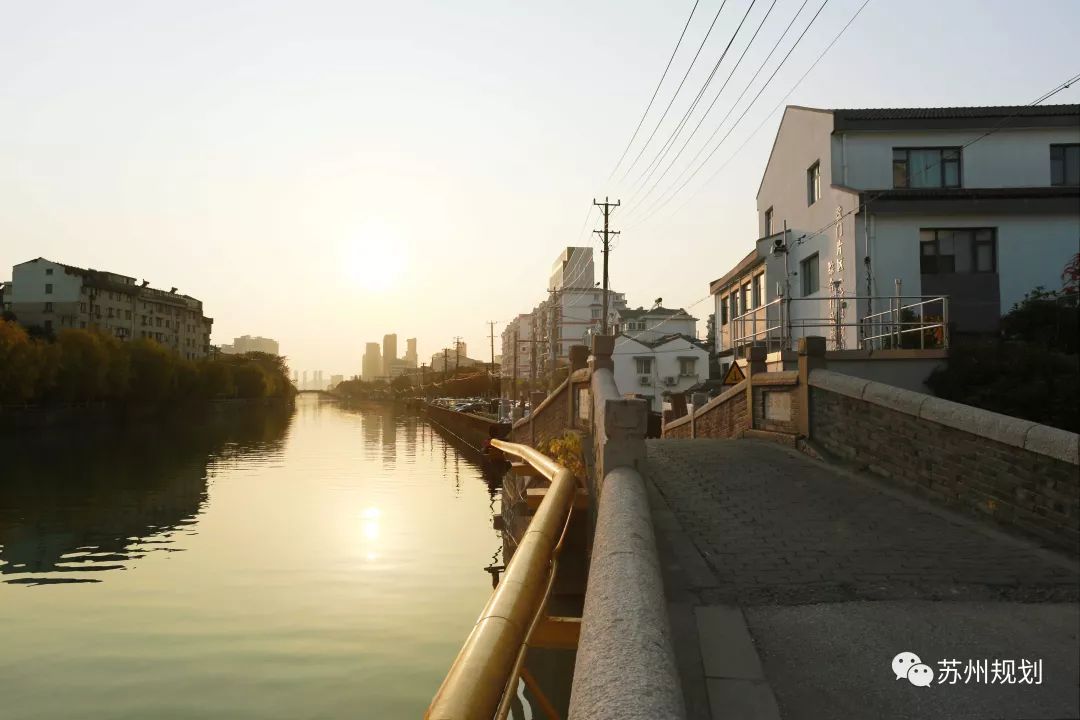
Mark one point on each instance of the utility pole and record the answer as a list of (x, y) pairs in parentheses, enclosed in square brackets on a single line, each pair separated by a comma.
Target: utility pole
[(445, 363), (606, 234), (491, 367), (457, 353), (513, 390)]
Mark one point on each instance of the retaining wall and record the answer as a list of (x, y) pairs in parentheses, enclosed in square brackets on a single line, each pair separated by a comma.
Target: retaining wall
[(474, 430)]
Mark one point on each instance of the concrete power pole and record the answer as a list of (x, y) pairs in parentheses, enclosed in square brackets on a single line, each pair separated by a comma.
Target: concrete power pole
[(606, 234), (513, 389), (445, 363), (457, 353), (491, 367)]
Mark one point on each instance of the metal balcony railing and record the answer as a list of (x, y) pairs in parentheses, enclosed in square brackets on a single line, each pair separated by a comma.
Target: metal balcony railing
[(907, 322), (484, 677)]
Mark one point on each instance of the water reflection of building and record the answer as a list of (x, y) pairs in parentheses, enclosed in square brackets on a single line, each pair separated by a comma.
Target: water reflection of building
[(111, 494)]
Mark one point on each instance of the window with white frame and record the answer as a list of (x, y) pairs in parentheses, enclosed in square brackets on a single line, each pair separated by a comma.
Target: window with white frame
[(686, 366), (813, 183), (644, 365)]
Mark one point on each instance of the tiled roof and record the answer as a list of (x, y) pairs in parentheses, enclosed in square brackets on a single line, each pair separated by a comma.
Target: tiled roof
[(752, 258), (630, 314), (929, 113)]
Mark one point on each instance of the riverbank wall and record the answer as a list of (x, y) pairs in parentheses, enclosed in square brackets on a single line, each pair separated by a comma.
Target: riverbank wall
[(473, 430)]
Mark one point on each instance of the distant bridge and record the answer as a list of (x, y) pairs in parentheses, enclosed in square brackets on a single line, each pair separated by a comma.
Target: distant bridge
[(317, 392)]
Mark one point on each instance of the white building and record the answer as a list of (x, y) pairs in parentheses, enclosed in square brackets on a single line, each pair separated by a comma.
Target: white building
[(54, 296), (247, 343), (520, 328), (656, 322), (653, 368), (920, 200)]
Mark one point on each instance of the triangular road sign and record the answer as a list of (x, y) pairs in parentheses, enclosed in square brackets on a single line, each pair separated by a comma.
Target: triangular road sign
[(734, 374)]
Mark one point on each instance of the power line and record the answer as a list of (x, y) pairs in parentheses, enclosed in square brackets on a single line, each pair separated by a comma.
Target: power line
[(681, 82), (657, 90), (776, 107), (719, 93), (672, 193), (643, 179)]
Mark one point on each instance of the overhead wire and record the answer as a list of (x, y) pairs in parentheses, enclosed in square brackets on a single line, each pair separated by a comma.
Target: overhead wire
[(679, 88), (657, 90), (672, 190), (652, 167), (720, 92)]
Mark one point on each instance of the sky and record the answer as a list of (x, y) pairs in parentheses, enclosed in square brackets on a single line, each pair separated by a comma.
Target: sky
[(324, 173)]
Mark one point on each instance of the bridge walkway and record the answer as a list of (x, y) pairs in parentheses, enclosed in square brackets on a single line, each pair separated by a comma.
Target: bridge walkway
[(792, 584)]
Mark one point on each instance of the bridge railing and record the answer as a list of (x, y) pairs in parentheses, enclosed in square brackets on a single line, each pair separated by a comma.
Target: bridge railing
[(483, 678)]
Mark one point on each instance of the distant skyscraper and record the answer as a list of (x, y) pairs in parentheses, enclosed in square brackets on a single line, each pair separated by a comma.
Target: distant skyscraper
[(410, 352), (389, 353), (372, 363), (303, 385)]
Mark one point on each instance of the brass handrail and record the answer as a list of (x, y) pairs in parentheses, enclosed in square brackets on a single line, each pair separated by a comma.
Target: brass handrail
[(474, 686)]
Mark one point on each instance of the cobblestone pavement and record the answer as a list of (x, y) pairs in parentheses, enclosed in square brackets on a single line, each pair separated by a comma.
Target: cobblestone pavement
[(776, 527)]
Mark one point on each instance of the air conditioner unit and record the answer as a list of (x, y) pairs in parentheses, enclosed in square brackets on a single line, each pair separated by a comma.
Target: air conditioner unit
[(669, 380), (645, 379)]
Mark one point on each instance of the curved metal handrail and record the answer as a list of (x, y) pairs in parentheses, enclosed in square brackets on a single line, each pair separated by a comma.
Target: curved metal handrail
[(474, 686)]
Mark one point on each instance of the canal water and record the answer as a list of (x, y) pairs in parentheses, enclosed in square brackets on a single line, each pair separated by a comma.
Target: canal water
[(323, 563)]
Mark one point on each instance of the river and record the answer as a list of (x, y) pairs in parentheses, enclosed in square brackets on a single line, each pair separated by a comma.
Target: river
[(324, 563)]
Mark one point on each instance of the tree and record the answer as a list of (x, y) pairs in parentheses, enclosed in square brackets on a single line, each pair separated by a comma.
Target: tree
[(18, 367), (83, 369), (153, 372)]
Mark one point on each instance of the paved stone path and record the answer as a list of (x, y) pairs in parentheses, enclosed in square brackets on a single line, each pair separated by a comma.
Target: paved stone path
[(792, 583)]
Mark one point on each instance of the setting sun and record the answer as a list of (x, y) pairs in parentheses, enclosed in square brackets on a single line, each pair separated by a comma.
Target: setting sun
[(375, 259)]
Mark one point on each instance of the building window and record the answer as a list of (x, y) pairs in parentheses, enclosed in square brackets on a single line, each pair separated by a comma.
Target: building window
[(48, 288), (813, 183), (686, 366), (644, 365), (745, 303), (734, 300), (110, 312), (808, 274), (127, 314), (595, 313), (723, 310), (1065, 164), (48, 271), (926, 167), (48, 325), (82, 307), (48, 307), (768, 222), (759, 290), (957, 250)]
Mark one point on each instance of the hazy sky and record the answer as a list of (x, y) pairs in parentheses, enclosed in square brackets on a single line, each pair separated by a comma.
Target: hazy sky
[(325, 172)]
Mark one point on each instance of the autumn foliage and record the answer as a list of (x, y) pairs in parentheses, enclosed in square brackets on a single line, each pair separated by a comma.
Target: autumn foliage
[(92, 366)]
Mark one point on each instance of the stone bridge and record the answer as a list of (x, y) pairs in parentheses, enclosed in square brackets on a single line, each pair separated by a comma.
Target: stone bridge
[(781, 543)]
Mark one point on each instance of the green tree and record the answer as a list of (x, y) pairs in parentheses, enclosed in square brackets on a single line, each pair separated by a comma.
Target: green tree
[(251, 381), (83, 369), (153, 372), (215, 379), (19, 369)]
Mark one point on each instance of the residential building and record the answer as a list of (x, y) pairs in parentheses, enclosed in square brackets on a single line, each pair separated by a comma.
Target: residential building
[(371, 368), (389, 353), (520, 328), (54, 296), (573, 268), (410, 353), (454, 358), (979, 204), (663, 365), (653, 323), (247, 343), (336, 380)]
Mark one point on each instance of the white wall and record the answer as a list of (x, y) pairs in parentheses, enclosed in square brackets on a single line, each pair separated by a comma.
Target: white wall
[(29, 279), (1008, 158), (665, 363), (1032, 250)]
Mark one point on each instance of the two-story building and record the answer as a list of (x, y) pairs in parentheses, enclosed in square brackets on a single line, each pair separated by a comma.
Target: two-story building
[(661, 365), (865, 212), (53, 296), (655, 322)]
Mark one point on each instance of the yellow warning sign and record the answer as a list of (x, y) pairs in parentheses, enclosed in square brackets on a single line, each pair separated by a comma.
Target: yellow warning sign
[(734, 374)]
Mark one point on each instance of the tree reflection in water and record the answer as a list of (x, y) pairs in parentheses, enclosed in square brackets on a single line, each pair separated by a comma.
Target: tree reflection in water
[(79, 501)]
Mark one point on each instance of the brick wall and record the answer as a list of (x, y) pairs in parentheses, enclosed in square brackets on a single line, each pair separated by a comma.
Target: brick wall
[(723, 416), (549, 420), (1018, 473)]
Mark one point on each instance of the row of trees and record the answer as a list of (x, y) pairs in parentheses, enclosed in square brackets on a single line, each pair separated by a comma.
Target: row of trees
[(89, 366)]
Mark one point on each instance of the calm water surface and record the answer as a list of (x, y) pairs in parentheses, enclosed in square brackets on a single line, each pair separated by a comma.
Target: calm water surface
[(324, 564)]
